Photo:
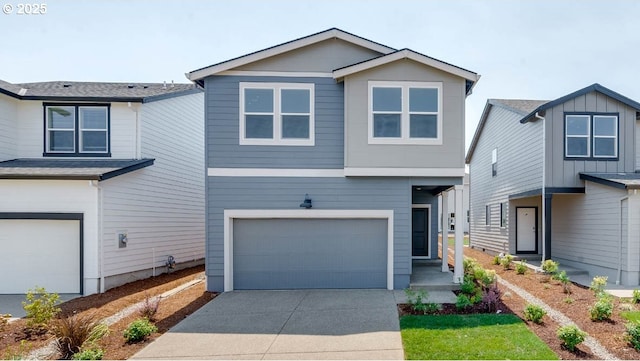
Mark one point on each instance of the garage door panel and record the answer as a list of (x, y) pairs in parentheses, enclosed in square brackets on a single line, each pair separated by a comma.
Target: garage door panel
[(310, 253), (41, 253)]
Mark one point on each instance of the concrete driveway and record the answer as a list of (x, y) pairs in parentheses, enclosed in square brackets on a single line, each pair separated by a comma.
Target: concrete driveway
[(301, 324)]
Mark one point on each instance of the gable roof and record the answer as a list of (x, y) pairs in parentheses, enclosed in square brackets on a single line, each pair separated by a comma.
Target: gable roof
[(518, 106), (201, 73), (468, 75), (95, 91), (593, 87)]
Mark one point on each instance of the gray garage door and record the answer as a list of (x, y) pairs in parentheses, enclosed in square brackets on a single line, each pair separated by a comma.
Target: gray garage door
[(309, 253)]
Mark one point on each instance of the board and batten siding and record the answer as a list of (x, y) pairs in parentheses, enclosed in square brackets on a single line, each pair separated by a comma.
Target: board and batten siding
[(8, 128), (326, 193), (222, 127), (519, 170), (360, 154), (565, 173), (161, 207), (588, 229)]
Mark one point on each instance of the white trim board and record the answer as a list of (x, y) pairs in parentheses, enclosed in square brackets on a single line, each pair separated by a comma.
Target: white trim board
[(275, 172), (403, 172), (287, 74), (231, 214)]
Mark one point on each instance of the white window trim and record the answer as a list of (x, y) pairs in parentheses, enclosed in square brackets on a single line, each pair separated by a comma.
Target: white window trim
[(615, 136), (405, 119), (49, 130), (231, 214), (277, 114), (567, 136), (82, 130)]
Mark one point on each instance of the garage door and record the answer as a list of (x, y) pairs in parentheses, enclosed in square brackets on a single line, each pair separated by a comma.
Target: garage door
[(309, 253), (40, 252)]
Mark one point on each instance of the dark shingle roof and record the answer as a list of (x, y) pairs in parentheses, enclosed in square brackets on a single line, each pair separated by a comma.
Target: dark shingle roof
[(92, 90), (91, 169), (616, 180), (523, 106)]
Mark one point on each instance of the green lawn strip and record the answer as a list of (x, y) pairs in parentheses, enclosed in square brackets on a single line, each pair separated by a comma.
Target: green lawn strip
[(471, 337), (451, 241), (632, 316)]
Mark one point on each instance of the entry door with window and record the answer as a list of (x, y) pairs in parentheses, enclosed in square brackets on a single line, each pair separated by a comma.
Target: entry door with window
[(526, 230), (420, 232)]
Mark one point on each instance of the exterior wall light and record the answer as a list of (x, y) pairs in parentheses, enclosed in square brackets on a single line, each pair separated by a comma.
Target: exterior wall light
[(307, 202)]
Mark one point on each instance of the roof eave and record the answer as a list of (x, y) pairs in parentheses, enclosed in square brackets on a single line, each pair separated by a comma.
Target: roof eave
[(476, 135)]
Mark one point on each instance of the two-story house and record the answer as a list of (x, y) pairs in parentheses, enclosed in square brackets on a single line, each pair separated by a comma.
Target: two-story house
[(558, 179), (99, 183), (325, 156)]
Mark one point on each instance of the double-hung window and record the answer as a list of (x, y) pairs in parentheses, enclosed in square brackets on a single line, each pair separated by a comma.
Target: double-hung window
[(591, 136), (405, 112), (277, 114), (77, 130)]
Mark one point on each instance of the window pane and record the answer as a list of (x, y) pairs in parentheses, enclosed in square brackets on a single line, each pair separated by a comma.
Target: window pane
[(295, 100), (577, 147), (258, 126), (295, 126), (258, 100), (604, 147), (93, 141), (386, 125), (423, 126), (93, 118), (604, 125), (61, 117), (387, 99), (423, 100), (61, 141), (577, 125)]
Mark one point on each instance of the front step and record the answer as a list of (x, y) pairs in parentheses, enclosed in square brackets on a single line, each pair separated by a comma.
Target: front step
[(435, 287)]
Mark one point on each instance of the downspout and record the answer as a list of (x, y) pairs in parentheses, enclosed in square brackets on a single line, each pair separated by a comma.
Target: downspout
[(100, 235), (544, 181), (620, 241)]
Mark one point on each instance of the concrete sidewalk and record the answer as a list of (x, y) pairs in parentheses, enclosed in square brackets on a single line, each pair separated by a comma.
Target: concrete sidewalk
[(301, 324)]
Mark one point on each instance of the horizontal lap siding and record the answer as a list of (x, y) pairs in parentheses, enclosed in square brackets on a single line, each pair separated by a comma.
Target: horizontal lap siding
[(162, 206), (222, 127), (519, 170), (8, 128)]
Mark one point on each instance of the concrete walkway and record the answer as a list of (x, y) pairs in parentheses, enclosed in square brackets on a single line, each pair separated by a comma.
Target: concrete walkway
[(301, 324)]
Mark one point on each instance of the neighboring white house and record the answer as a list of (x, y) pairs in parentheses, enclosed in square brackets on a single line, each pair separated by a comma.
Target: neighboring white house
[(452, 221), (100, 183)]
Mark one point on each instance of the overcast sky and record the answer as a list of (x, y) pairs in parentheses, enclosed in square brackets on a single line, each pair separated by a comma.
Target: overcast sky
[(523, 49)]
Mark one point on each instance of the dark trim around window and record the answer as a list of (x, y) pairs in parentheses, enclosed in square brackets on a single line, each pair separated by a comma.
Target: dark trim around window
[(77, 153), (590, 157)]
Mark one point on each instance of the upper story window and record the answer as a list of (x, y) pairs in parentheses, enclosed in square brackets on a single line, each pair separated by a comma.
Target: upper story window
[(405, 112), (591, 136), (277, 114), (494, 162), (77, 130)]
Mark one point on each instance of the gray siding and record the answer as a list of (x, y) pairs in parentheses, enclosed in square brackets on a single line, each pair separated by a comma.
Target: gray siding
[(8, 128), (324, 56), (361, 154), (519, 170), (222, 128), (565, 173)]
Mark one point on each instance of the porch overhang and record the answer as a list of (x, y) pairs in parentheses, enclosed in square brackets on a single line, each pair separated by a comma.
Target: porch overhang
[(615, 180)]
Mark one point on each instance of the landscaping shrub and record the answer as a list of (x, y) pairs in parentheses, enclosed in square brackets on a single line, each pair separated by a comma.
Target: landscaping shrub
[(138, 330), (565, 281), (571, 336), (496, 260), (4, 319), (149, 308), (549, 266), (636, 296), (534, 313), (598, 284), (416, 299), (431, 307), (632, 335), (602, 309), (468, 286), (521, 267), (89, 354), (491, 298), (74, 332), (40, 307), (568, 300), (506, 261), (463, 302)]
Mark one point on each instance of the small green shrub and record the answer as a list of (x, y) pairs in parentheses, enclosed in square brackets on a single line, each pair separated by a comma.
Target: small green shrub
[(521, 267), (488, 278), (571, 336), (636, 296), (430, 308), (632, 335), (463, 302), (602, 309), (89, 354), (74, 332), (468, 286), (565, 281), (598, 284), (568, 300), (40, 307), (549, 266), (496, 260), (138, 330), (534, 313), (417, 298), (506, 261)]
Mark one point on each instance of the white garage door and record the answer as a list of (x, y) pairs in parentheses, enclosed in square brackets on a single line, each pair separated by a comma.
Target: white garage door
[(39, 252)]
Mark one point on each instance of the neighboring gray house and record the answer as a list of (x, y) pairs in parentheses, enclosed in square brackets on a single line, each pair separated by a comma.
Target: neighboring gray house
[(581, 152), (325, 157), (99, 183)]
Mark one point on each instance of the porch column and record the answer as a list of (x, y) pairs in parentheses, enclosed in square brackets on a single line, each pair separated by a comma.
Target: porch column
[(458, 271), (546, 251), (445, 231)]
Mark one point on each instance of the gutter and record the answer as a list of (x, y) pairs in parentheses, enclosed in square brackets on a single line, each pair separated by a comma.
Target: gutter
[(544, 174)]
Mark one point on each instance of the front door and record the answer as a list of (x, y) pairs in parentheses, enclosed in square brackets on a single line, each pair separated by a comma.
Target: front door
[(526, 230), (420, 232)]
